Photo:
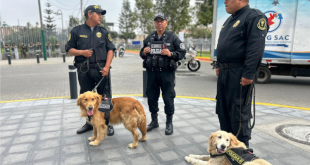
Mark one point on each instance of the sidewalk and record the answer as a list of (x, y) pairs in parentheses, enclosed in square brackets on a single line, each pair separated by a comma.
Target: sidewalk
[(44, 132)]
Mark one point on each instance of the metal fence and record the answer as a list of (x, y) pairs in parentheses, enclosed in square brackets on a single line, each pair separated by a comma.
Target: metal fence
[(26, 35)]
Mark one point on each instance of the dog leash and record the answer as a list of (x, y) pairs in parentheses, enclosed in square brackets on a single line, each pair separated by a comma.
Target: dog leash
[(95, 89), (251, 126)]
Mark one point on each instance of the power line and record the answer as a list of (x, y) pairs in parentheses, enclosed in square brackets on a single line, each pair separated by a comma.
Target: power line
[(65, 5), (62, 7)]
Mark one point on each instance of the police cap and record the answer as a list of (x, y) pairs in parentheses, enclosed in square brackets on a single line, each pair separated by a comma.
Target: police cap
[(94, 8), (160, 15)]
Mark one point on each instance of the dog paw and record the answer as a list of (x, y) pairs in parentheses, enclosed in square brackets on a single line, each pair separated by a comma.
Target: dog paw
[(91, 139), (93, 143), (187, 158), (132, 146), (191, 155), (142, 139)]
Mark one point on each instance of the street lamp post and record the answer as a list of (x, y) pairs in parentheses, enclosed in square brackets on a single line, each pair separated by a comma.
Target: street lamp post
[(62, 25)]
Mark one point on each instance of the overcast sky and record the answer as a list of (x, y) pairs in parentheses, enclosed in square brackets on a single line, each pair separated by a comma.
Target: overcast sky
[(27, 10)]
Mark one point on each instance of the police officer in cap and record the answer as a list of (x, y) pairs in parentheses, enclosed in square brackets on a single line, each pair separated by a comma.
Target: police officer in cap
[(239, 53), (161, 51), (92, 47)]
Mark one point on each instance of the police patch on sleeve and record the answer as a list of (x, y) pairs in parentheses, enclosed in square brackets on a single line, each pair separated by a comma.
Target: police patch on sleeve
[(69, 37), (182, 46), (109, 36), (262, 25)]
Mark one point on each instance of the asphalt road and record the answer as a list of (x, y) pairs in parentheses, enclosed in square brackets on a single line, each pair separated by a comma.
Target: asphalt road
[(25, 79)]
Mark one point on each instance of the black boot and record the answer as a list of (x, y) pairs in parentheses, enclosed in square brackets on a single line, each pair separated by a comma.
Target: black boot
[(154, 123), (85, 128), (169, 126), (110, 130)]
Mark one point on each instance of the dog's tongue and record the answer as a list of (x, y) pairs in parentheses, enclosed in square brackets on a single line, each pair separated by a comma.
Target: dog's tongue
[(222, 151), (90, 113)]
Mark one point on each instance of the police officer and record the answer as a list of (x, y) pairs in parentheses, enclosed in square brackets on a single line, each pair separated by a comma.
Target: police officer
[(92, 47), (239, 53), (23, 50), (31, 49), (38, 48), (161, 50)]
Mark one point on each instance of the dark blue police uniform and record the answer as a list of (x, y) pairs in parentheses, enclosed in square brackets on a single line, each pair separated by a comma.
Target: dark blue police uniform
[(239, 53)]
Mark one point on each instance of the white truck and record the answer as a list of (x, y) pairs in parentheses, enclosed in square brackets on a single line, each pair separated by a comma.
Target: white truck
[(287, 48)]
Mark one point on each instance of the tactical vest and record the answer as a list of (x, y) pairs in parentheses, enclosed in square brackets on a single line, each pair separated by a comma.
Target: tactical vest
[(155, 61)]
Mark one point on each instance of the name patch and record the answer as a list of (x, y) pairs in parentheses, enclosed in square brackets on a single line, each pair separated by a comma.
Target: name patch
[(83, 36)]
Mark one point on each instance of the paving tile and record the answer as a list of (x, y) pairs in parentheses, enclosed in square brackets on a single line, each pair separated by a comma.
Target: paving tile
[(25, 139), (7, 133), (45, 153), (81, 158), (48, 143), (73, 149), (16, 158), (49, 135), (72, 140), (167, 156), (143, 160), (24, 131), (50, 128)]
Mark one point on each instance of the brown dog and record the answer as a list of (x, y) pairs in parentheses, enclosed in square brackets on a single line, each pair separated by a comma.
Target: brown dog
[(126, 110), (219, 143)]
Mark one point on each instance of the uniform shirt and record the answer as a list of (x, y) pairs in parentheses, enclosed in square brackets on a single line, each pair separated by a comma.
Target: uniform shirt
[(242, 39), (173, 43), (83, 38)]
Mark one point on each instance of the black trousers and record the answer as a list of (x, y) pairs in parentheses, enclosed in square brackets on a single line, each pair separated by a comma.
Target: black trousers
[(228, 103), (90, 79), (164, 80)]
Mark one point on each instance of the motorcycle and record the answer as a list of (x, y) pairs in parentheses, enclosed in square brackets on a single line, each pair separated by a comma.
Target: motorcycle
[(121, 51), (189, 60)]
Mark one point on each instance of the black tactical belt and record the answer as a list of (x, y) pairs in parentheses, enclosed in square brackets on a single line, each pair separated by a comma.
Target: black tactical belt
[(91, 65), (231, 65), (158, 69)]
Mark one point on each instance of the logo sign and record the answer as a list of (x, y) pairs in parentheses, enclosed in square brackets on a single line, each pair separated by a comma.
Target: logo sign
[(274, 20), (237, 23), (156, 48)]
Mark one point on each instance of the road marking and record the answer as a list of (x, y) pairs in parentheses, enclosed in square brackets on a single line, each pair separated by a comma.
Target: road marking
[(188, 97)]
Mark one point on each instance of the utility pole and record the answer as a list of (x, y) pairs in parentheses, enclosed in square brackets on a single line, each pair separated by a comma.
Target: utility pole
[(42, 32), (81, 10), (1, 39)]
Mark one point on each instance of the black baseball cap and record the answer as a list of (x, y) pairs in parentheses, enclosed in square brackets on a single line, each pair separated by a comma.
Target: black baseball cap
[(160, 15), (94, 8)]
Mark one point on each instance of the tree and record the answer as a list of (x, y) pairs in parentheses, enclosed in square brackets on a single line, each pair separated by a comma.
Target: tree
[(204, 12), (144, 13), (73, 21), (199, 32), (126, 22), (50, 27), (177, 12), (113, 34)]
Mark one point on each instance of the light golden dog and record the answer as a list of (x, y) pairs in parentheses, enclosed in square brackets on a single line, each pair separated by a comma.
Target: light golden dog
[(219, 143), (126, 110)]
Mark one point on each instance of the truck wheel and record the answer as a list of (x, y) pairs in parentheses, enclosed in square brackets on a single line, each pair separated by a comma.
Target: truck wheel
[(264, 75)]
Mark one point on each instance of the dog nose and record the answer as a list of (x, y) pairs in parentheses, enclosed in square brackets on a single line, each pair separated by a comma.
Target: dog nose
[(223, 147), (90, 108)]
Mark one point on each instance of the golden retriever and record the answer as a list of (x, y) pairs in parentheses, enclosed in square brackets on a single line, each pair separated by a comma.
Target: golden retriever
[(126, 110), (219, 143)]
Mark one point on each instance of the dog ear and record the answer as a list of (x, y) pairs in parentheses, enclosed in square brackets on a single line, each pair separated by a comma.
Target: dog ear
[(99, 97), (78, 101), (233, 139), (211, 138)]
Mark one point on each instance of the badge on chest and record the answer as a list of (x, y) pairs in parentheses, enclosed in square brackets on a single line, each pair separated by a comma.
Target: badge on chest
[(156, 47)]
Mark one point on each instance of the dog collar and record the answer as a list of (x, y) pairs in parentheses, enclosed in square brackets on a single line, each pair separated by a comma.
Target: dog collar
[(214, 156)]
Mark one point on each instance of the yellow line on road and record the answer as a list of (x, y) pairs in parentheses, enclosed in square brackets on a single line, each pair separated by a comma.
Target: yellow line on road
[(188, 97)]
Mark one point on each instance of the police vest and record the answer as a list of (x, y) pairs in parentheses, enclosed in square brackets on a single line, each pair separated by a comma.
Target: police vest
[(237, 156)]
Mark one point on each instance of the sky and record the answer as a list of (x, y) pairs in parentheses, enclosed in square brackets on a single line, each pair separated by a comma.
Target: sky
[(23, 11)]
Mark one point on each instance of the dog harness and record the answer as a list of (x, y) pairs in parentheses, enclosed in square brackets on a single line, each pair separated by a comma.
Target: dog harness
[(237, 156)]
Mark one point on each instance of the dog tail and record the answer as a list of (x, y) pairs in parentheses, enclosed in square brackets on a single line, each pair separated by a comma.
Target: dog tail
[(139, 108)]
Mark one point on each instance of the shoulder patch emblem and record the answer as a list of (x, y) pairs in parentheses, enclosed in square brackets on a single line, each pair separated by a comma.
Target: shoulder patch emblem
[(69, 38), (261, 25), (98, 34), (223, 27), (237, 23), (182, 46), (109, 36)]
